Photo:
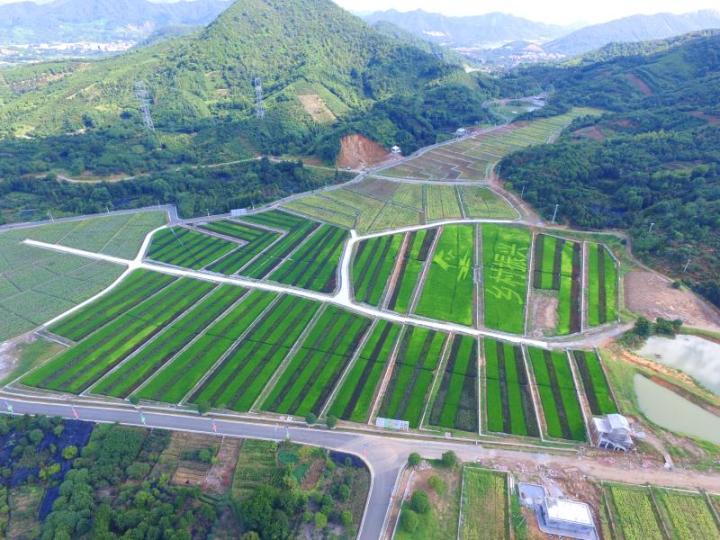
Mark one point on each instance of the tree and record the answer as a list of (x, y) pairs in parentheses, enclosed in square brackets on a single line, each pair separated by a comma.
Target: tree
[(203, 407), (643, 328), (414, 459), (409, 520), (449, 459), (70, 452), (35, 436), (420, 502), (311, 419), (320, 521), (346, 518), (331, 421), (134, 399)]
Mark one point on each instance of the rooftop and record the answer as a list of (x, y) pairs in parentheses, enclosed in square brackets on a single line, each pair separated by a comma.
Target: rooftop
[(569, 511)]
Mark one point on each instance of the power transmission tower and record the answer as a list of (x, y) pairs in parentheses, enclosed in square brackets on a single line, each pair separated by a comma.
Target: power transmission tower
[(143, 97), (259, 106)]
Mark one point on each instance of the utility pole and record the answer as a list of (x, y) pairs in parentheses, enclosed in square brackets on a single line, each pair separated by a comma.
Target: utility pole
[(686, 265), (52, 219), (522, 193), (557, 207), (652, 226)]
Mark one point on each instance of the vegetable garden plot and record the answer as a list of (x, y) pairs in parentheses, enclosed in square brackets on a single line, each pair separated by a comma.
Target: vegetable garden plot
[(505, 270), (558, 267), (406, 394), (687, 515), (314, 265), (79, 367), (484, 505), (372, 266), (633, 513), (509, 400), (239, 380), (442, 203), (355, 397), (264, 263), (561, 407), (456, 403), (315, 368), (190, 249), (595, 384), (411, 266), (176, 380), (135, 288), (123, 381), (484, 203), (449, 293), (602, 286)]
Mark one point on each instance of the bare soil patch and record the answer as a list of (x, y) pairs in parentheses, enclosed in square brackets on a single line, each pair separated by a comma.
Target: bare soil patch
[(317, 108), (591, 132), (375, 188), (357, 151), (543, 314), (650, 295), (639, 84), (220, 476), (709, 118)]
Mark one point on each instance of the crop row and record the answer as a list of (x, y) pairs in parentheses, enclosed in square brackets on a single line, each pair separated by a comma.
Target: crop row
[(355, 396), (235, 229), (411, 266), (238, 381), (595, 384), (449, 290), (687, 515), (602, 286), (509, 400), (407, 392), (456, 403), (373, 265), (276, 219), (190, 249), (313, 371), (634, 514), (135, 288), (82, 365), (561, 407), (236, 260)]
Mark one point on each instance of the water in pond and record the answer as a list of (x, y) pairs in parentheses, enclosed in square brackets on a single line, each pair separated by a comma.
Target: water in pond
[(696, 356), (672, 411)]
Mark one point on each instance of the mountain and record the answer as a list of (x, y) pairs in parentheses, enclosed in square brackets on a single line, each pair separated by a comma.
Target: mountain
[(481, 31), (631, 29)]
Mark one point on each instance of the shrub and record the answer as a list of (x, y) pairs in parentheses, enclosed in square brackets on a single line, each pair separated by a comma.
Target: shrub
[(70, 452), (311, 418), (449, 459), (409, 520), (331, 422), (420, 502), (437, 484), (346, 518), (414, 459), (320, 520)]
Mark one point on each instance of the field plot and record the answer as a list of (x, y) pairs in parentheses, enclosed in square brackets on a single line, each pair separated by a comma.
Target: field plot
[(595, 384), (687, 515), (256, 466), (315, 368), (560, 403), (449, 293), (419, 355), (509, 400), (240, 378), (123, 381), (634, 515), (79, 367), (314, 265), (602, 286), (456, 403), (484, 505), (181, 375), (484, 203), (505, 271), (355, 397), (411, 266), (372, 266), (442, 202), (135, 288), (190, 249), (256, 239)]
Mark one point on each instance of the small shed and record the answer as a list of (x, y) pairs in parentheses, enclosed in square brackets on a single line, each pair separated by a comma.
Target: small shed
[(396, 150), (460, 132), (613, 432)]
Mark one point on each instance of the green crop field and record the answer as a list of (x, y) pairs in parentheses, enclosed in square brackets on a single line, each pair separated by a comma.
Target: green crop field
[(442, 203), (505, 271), (234, 229), (406, 394), (315, 368), (79, 367), (602, 286), (595, 383), (314, 264), (373, 263), (449, 290), (411, 266), (186, 370), (238, 381), (687, 515), (484, 505), (485, 203), (509, 401), (561, 406), (135, 288), (355, 397), (456, 403), (190, 249), (257, 241), (634, 513), (175, 337)]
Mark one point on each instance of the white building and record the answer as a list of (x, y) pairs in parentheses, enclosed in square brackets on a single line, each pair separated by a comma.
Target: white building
[(460, 132), (396, 150), (613, 432), (560, 517)]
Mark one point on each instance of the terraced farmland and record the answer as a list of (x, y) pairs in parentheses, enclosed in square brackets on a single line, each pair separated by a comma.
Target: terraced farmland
[(180, 246), (355, 397), (373, 264), (595, 384), (506, 252), (558, 394), (509, 400), (315, 368), (484, 505), (602, 286), (407, 392), (449, 289), (456, 402)]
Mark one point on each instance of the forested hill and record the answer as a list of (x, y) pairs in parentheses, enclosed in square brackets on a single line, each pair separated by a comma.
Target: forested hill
[(203, 96), (654, 157)]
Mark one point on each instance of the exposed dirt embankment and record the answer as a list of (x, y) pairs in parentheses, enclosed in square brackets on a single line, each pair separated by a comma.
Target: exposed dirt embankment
[(357, 151)]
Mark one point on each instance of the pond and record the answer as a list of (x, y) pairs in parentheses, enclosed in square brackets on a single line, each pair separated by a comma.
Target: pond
[(675, 413), (696, 356)]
